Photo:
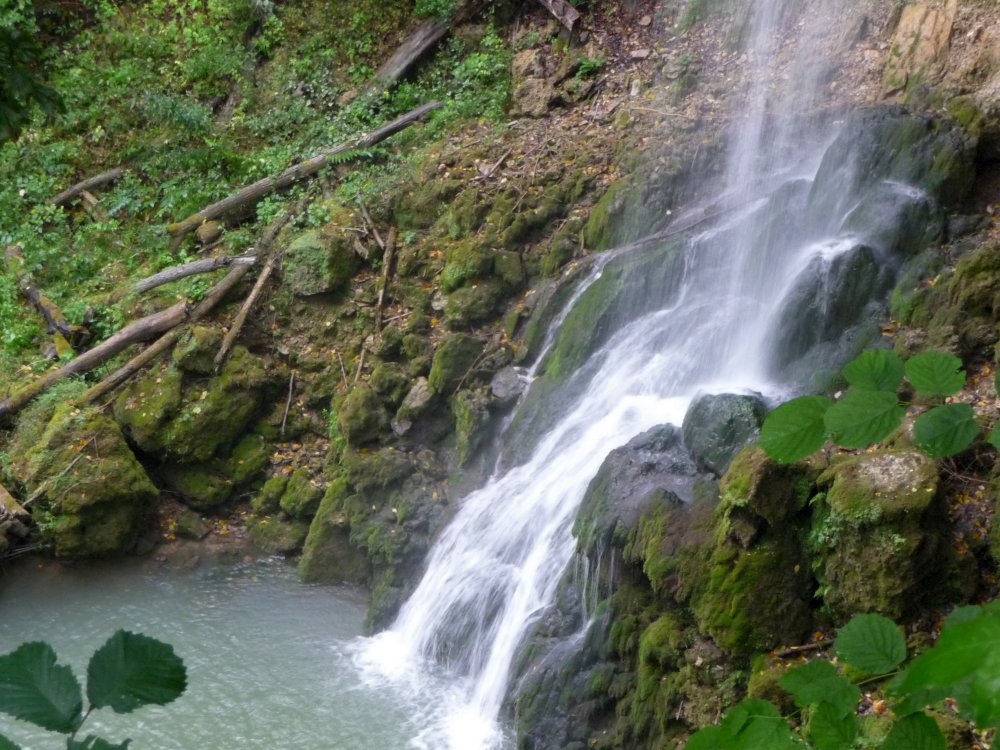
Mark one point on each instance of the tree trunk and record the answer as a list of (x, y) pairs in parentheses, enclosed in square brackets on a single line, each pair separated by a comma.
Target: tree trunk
[(139, 330), (89, 184), (251, 194), (205, 265)]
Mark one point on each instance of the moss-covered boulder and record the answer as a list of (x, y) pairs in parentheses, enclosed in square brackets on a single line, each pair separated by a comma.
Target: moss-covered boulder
[(301, 496), (268, 499), (328, 555), (92, 494), (188, 419), (876, 536), (774, 492), (362, 418), (962, 314), (716, 427), (464, 263), (471, 411), (472, 304), (314, 265), (195, 352), (277, 536), (453, 360), (202, 486)]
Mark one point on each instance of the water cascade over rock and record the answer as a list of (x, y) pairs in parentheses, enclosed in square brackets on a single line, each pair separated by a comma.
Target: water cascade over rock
[(818, 214)]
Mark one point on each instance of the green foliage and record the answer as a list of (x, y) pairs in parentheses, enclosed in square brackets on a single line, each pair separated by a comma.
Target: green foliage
[(871, 411), (872, 644), (434, 8), (589, 66), (21, 86), (936, 373), (129, 671), (964, 666)]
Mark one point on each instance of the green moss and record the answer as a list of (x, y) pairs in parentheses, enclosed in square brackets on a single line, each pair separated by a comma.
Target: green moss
[(147, 404), (452, 362), (195, 352), (509, 268), (277, 536), (421, 204), (577, 333), (600, 232), (474, 304), (756, 599), (362, 418), (471, 415), (328, 555), (202, 485), (268, 500), (92, 496), (465, 262), (301, 497), (313, 265), (248, 459), (765, 681), (771, 490), (886, 485), (967, 113), (368, 472), (391, 384)]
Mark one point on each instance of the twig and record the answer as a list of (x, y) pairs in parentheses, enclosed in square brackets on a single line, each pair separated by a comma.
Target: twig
[(361, 364), (793, 650), (40, 490), (371, 225), (387, 263), (343, 370), (397, 317), (288, 403)]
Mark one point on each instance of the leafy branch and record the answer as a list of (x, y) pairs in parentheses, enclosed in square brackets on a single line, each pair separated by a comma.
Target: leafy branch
[(963, 666), (871, 410), (129, 671)]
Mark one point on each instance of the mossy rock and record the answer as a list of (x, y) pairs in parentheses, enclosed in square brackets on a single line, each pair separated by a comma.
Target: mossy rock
[(420, 206), (147, 404), (190, 525), (248, 459), (471, 412), (195, 352), (508, 266), (268, 500), (328, 555), (202, 486), (391, 383), (92, 494), (474, 304), (362, 418), (378, 470), (277, 536), (968, 306), (756, 599), (314, 265), (453, 360), (301, 497), (465, 262), (773, 491), (765, 684), (717, 426), (885, 486)]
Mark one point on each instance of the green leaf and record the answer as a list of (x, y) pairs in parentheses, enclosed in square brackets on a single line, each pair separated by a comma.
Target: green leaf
[(95, 743), (945, 430), (965, 665), (875, 370), (863, 418), (915, 732), (709, 738), (34, 688), (755, 725), (795, 429), (133, 670), (871, 643), (994, 437), (936, 373), (831, 730), (6, 744), (818, 682)]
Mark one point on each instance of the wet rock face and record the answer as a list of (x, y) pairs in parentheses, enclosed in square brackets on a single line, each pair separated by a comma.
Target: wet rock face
[(717, 427)]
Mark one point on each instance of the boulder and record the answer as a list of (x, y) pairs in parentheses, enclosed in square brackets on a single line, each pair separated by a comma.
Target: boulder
[(314, 265), (328, 555), (452, 362), (716, 427)]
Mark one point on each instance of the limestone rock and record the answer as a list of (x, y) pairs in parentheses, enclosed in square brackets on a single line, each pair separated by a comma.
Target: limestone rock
[(313, 265), (716, 427), (922, 40)]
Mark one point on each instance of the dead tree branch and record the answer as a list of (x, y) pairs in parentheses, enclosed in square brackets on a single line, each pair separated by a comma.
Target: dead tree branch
[(205, 265), (90, 183), (58, 326), (388, 261), (251, 194)]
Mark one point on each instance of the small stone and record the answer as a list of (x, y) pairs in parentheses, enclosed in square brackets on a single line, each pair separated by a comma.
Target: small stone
[(635, 88), (646, 21), (640, 54), (507, 385), (190, 525)]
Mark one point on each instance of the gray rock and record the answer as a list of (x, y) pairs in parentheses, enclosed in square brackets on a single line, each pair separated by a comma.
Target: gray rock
[(507, 385), (716, 427)]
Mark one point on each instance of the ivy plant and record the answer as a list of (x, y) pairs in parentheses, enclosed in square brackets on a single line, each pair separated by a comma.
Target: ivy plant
[(963, 666), (129, 671), (870, 410)]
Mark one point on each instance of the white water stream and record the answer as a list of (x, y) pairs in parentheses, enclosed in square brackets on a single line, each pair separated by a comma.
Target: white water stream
[(496, 567)]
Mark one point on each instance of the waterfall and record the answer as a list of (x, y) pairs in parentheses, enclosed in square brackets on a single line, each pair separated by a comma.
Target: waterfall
[(719, 324)]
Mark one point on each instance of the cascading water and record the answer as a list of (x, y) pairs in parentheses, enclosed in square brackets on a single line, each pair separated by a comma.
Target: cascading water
[(712, 316)]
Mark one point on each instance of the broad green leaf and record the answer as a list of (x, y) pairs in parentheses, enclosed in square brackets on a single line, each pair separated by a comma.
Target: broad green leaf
[(133, 670), (994, 437), (871, 643), (915, 732), (34, 688), (818, 682), (945, 430), (831, 730), (875, 370), (863, 418), (936, 373), (964, 664), (6, 744), (709, 738), (95, 743), (795, 429), (756, 725)]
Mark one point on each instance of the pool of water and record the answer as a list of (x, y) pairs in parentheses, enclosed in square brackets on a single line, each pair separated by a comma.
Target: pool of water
[(269, 659)]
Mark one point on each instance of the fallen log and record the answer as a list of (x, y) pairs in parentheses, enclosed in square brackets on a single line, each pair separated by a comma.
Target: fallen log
[(89, 184), (58, 326), (565, 13), (214, 295), (418, 44), (251, 194), (138, 330), (205, 265)]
